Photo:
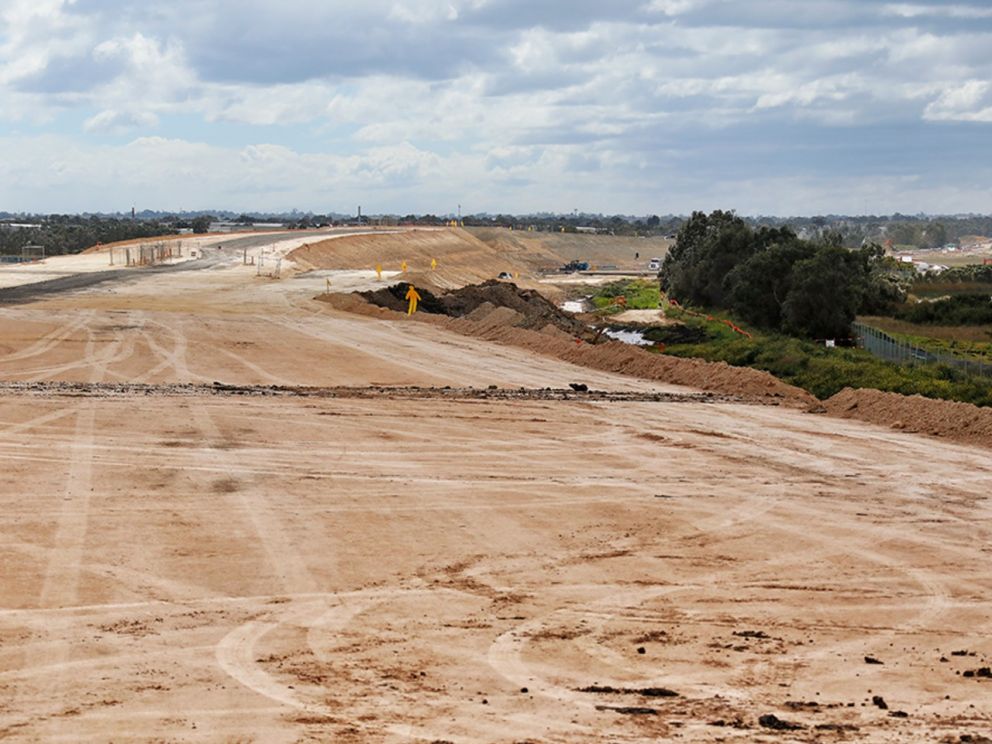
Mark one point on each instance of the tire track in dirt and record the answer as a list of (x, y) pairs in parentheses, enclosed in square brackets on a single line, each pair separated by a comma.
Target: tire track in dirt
[(506, 653), (234, 654), (49, 340), (127, 578), (174, 359), (280, 552), (263, 374), (12, 430), (60, 586), (322, 621), (120, 348)]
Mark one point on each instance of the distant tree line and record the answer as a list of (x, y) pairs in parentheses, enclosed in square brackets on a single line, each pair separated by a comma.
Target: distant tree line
[(776, 280), (62, 234), (570, 223), (72, 233)]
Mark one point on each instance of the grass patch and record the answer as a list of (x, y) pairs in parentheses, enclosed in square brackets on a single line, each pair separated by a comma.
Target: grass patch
[(640, 294), (936, 288), (965, 342)]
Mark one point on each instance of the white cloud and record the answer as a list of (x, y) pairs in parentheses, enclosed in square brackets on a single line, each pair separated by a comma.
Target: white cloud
[(673, 7), (907, 10), (969, 102), (119, 122), (385, 96)]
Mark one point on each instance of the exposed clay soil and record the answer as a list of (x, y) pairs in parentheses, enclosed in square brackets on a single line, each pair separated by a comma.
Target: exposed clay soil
[(461, 258), (377, 529), (551, 250), (961, 422)]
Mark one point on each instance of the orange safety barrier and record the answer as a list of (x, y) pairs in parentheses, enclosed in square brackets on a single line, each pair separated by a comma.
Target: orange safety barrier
[(729, 324)]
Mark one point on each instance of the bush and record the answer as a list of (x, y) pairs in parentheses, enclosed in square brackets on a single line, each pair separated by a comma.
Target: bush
[(962, 309)]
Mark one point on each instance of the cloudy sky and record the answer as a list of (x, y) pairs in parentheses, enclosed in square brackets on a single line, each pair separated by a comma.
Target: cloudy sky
[(782, 107)]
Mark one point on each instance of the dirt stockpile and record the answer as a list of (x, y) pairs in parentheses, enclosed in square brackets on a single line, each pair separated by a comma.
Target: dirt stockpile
[(608, 357), (550, 249), (481, 302), (961, 422), (461, 258)]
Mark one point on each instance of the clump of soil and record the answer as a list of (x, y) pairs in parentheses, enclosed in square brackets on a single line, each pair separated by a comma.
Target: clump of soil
[(642, 691), (961, 422), (775, 723), (478, 301), (678, 333)]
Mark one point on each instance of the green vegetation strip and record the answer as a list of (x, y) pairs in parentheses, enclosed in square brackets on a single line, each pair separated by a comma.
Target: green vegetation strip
[(822, 371)]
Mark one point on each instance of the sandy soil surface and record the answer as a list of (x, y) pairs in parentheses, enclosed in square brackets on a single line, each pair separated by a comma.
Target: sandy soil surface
[(639, 317), (550, 250), (218, 564)]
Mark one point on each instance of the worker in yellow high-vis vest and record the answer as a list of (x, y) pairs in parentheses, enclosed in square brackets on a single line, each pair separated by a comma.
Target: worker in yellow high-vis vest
[(413, 297)]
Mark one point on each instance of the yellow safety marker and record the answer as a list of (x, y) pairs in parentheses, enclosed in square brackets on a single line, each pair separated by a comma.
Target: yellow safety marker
[(414, 297), (378, 272), (403, 267), (433, 264)]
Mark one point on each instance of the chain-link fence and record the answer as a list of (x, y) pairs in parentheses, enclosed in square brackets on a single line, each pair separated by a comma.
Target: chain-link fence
[(27, 254), (884, 346)]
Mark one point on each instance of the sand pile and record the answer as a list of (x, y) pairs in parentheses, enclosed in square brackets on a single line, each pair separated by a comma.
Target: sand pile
[(508, 304), (461, 258), (552, 340), (552, 249), (961, 422)]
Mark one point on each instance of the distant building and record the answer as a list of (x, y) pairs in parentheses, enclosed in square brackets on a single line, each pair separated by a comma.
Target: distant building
[(18, 226)]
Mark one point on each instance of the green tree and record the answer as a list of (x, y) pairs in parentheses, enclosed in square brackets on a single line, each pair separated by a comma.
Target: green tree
[(706, 249), (760, 285), (201, 224), (935, 235), (825, 293)]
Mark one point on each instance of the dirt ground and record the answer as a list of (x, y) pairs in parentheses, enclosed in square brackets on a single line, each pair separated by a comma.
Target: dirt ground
[(550, 250), (204, 563)]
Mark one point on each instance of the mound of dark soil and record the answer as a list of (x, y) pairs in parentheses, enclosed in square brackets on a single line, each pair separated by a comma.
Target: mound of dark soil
[(394, 298), (535, 311), (678, 333)]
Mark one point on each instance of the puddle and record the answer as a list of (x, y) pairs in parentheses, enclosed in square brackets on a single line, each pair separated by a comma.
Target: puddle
[(634, 338)]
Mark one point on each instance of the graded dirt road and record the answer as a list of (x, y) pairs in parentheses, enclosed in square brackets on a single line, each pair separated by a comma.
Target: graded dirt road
[(199, 563)]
